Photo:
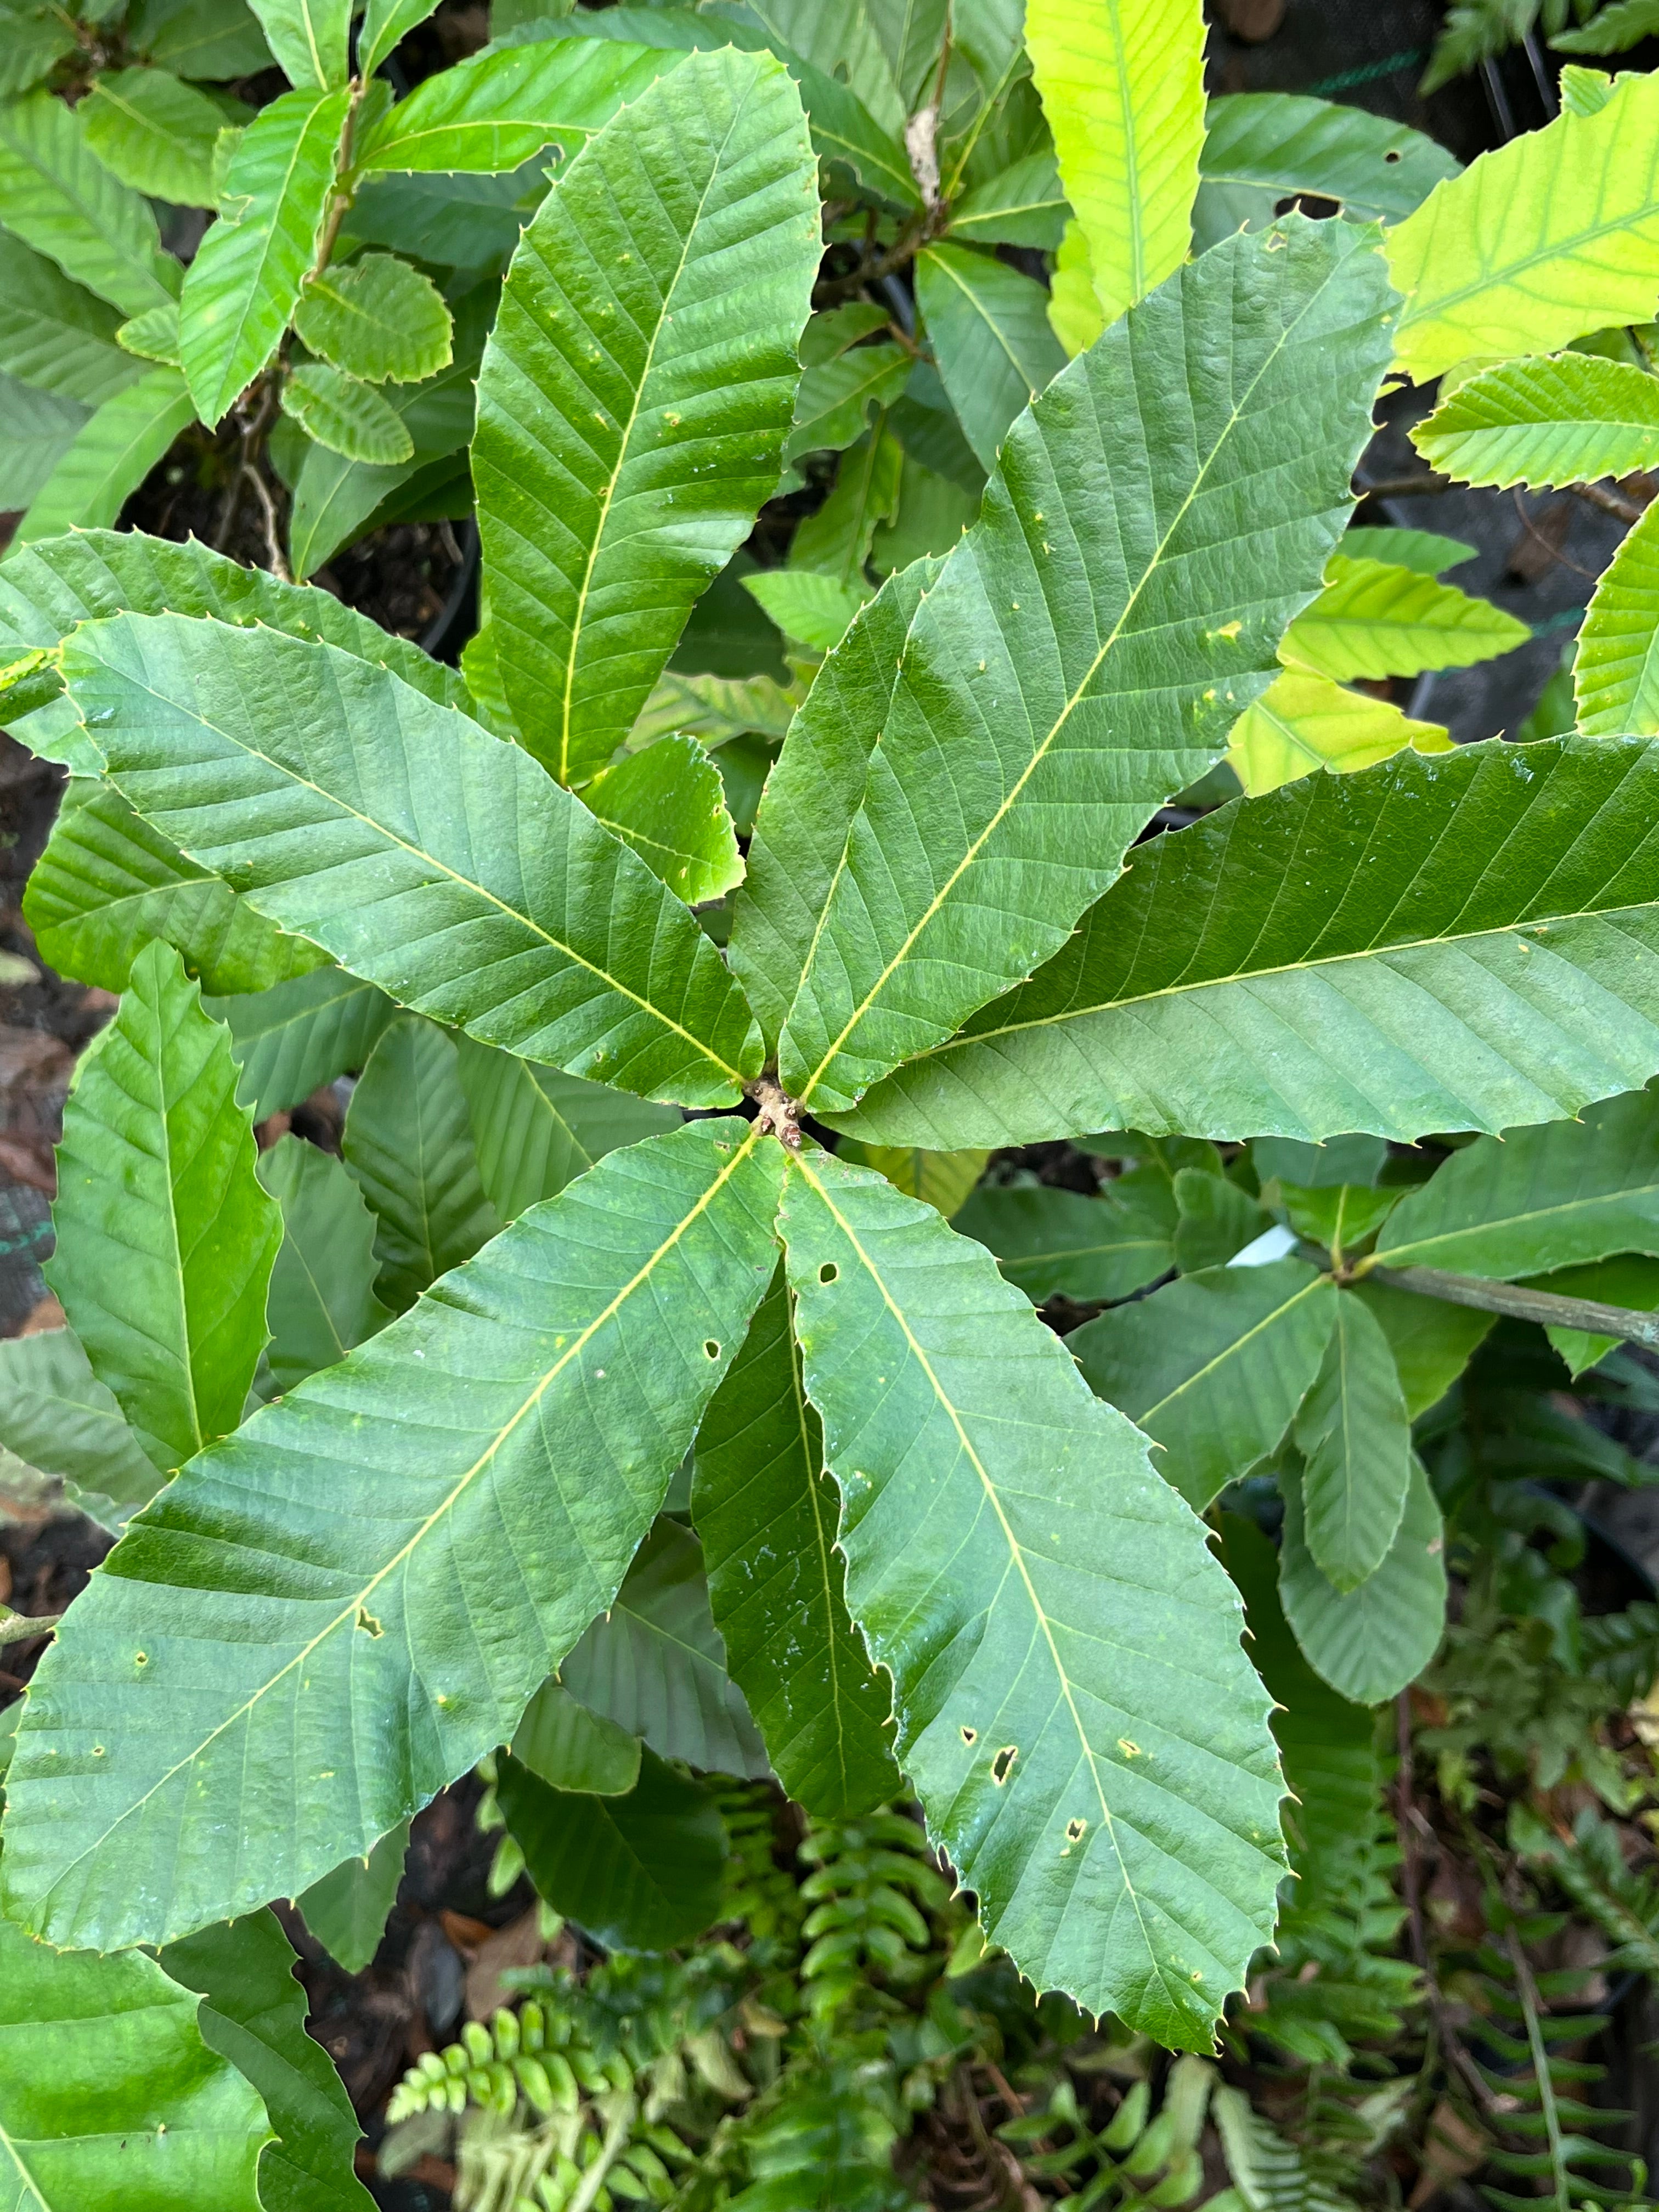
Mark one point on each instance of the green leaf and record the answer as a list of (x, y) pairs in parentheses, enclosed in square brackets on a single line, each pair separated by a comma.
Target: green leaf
[(669, 804), (208, 39), (548, 1432), (844, 42), (1372, 620), (1368, 1643), (1304, 722), (376, 319), (833, 404), (1074, 311), (56, 335), (165, 1240), (110, 2093), (1277, 143), (1547, 421), (811, 797), (244, 282), (989, 328), (639, 1873), (322, 1300), (536, 1129), (1611, 30), (57, 1416), (1080, 589), (944, 1180), (36, 430), (1341, 1218), (815, 609), (347, 1910), (563, 1744), (59, 198), (35, 39), (1554, 1196), (1615, 675), (154, 336), (712, 708), (1069, 1683), (359, 821), (1537, 242), (1342, 954), (1024, 206), (1216, 1220), (1212, 1367), (309, 39), (295, 1037), (1342, 1160), (111, 456), (407, 1143), (1423, 551), (347, 416), (836, 540), (497, 109), (1628, 1280), (1057, 1241), (631, 425), (253, 2014), (1432, 1341), (655, 1664), (768, 1514), (107, 883), (155, 133), (1354, 1434), (1123, 86), (385, 23)]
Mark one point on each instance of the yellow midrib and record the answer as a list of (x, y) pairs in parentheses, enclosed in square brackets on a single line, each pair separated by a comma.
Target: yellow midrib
[(1230, 1351)]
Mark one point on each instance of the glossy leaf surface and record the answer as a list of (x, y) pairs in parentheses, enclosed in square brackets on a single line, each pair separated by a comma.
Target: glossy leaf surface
[(564, 1743)]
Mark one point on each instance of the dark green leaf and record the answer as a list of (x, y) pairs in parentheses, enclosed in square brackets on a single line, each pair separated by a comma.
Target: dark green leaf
[(536, 1129), (1278, 143), (638, 1873), (768, 1514), (1212, 1367), (1022, 205), (347, 1909), (564, 1744), (59, 198), (322, 1300), (1048, 1241), (1354, 1434), (990, 334), (836, 397), (57, 1416), (1216, 1218), (1432, 1342), (291, 1039), (1368, 1643), (56, 335), (208, 39)]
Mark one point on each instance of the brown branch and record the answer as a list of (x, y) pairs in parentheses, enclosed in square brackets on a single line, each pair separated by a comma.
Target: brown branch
[(1518, 1303), (24, 1628), (1423, 485), (1610, 503)]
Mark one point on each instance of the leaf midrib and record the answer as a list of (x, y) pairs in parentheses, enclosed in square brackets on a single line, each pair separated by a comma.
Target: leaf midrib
[(1230, 1351), (349, 1610), (429, 859), (1411, 1254)]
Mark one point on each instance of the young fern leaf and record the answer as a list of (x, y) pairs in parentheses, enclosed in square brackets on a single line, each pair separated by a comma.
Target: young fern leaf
[(1339, 955), (356, 1636), (637, 389), (1093, 578), (357, 813), (1103, 1780)]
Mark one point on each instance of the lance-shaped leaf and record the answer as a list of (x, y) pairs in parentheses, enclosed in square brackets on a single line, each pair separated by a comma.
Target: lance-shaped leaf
[(1024, 206), (637, 389), (1554, 1196), (59, 198), (253, 2014), (536, 1129), (376, 319), (496, 110), (669, 804), (1374, 620), (1467, 941), (426, 855), (1123, 86), (164, 1239), (348, 1603), (988, 325), (1302, 722), (1049, 1240), (1355, 1437), (108, 883), (835, 395), (1537, 242), (835, 539), (55, 335), (110, 2094), (407, 1143), (1260, 146), (767, 1515), (245, 278), (155, 133), (1212, 1367), (564, 1744), (943, 1179), (347, 1910), (1432, 1341), (110, 456), (297, 1036), (640, 1872), (58, 1417), (655, 1665), (309, 39), (1370, 1641), (1084, 1733), (1615, 672), (1424, 551), (386, 22), (1102, 571), (322, 1301), (1553, 420)]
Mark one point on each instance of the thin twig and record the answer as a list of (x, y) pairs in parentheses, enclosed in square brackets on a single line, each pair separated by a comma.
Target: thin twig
[(279, 567), (1535, 532), (1517, 1301), (1610, 503), (24, 1628), (1421, 486)]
